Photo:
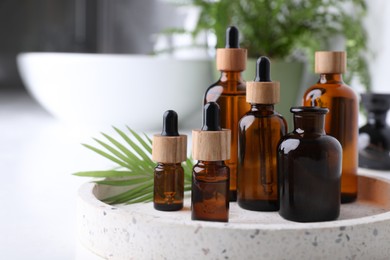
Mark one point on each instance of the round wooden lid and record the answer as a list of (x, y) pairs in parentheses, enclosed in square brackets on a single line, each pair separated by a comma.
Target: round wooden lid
[(169, 149), (231, 59), (327, 62), (211, 145), (262, 92)]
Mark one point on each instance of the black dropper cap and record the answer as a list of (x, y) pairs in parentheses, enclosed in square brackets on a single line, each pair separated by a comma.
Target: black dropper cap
[(263, 71), (170, 124), (211, 117), (232, 38)]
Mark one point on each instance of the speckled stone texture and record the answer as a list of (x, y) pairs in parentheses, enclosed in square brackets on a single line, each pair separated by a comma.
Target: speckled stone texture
[(140, 232)]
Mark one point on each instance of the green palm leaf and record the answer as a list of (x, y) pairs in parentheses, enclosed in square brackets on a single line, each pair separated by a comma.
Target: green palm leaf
[(134, 167)]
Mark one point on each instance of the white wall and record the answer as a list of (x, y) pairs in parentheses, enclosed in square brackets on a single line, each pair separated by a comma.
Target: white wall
[(378, 27)]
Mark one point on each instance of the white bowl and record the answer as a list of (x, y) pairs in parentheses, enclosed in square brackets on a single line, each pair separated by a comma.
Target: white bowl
[(106, 89)]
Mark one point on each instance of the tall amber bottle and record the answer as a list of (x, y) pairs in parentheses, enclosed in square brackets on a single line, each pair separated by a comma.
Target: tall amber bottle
[(169, 150), (260, 130), (342, 121), (210, 175), (229, 93)]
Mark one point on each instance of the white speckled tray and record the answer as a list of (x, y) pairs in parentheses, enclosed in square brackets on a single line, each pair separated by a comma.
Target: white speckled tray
[(140, 232)]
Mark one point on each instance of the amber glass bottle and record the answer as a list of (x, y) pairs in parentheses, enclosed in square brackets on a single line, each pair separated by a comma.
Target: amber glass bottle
[(229, 93), (260, 130), (169, 186), (342, 121), (309, 167), (169, 150), (210, 175)]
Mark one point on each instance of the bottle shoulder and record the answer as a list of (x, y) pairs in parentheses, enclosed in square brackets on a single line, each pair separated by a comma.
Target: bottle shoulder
[(316, 142), (330, 90), (230, 87), (212, 171), (253, 116)]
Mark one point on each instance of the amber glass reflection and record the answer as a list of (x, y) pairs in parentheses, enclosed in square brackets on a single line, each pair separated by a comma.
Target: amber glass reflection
[(168, 186), (229, 92), (341, 122), (210, 191), (259, 133)]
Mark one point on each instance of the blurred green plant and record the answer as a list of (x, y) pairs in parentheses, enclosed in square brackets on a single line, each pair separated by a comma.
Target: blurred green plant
[(280, 28), (134, 168)]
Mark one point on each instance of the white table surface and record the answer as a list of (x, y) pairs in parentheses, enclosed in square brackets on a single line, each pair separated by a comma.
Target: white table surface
[(37, 191)]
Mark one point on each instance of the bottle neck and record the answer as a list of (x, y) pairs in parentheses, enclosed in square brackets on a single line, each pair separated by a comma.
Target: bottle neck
[(230, 76), (262, 107), (332, 78), (168, 164), (309, 123), (209, 163)]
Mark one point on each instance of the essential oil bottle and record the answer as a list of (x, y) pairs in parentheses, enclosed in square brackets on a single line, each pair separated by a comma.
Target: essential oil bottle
[(229, 93), (169, 149), (309, 167), (342, 120), (260, 130), (210, 175)]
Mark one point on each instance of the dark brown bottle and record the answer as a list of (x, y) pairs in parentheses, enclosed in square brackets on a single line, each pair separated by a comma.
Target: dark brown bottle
[(229, 93), (210, 175), (260, 130), (342, 121), (169, 150), (309, 168), (374, 136)]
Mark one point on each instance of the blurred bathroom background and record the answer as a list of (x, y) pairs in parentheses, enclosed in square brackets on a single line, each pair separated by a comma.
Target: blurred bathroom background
[(86, 26)]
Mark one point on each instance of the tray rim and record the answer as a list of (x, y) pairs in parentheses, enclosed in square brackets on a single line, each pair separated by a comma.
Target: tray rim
[(86, 194)]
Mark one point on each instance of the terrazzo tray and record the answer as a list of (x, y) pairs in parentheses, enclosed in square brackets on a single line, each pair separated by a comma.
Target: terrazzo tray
[(139, 232)]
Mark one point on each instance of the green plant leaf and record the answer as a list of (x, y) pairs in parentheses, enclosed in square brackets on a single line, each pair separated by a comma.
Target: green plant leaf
[(128, 182), (104, 174), (106, 155), (134, 167)]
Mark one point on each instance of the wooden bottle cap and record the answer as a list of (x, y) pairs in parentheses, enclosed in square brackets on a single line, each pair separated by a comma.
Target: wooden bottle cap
[(262, 92), (229, 59), (211, 145), (169, 149), (330, 62)]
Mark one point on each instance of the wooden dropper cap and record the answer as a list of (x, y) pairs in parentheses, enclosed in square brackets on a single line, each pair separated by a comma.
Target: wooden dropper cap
[(262, 90), (328, 62), (232, 57), (169, 146), (211, 143)]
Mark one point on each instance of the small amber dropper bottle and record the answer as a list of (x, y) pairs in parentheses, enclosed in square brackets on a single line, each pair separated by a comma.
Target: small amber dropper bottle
[(210, 175), (342, 120), (259, 133), (169, 150), (229, 93)]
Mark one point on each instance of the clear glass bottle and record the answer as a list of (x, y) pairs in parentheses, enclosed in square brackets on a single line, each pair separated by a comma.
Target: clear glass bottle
[(309, 168), (169, 150), (342, 121), (260, 130), (229, 92), (210, 175)]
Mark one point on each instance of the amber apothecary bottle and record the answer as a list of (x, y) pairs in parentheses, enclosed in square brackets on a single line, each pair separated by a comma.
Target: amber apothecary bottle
[(169, 150), (260, 130), (342, 120), (210, 176), (229, 93), (309, 167)]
